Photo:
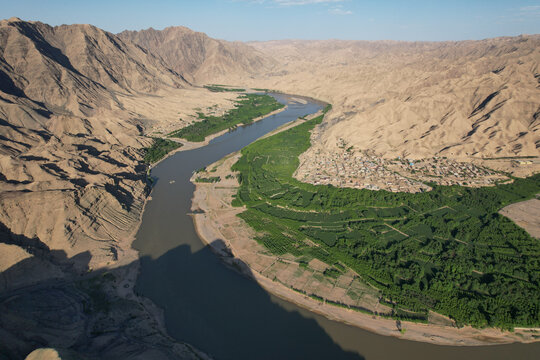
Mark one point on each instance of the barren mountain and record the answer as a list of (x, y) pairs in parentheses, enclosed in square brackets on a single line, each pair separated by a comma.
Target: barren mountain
[(469, 99), (75, 102), (198, 57), (69, 174)]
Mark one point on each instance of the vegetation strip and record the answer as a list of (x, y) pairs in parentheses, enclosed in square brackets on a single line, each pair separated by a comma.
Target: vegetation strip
[(222, 88), (446, 250), (249, 107), (158, 150)]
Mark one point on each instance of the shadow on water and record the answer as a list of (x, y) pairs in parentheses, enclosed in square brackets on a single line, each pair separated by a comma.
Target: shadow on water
[(194, 289), (228, 316), (206, 304)]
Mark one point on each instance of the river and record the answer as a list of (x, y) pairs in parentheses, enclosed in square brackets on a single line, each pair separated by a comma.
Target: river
[(229, 316)]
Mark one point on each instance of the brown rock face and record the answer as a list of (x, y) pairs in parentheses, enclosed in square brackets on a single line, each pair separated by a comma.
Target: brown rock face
[(70, 173), (74, 103), (199, 57)]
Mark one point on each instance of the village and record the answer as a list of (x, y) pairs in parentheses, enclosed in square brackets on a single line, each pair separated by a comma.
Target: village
[(444, 171), (347, 167)]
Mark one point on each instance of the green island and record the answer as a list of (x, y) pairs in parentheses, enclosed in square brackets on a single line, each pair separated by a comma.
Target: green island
[(249, 107), (447, 250), (159, 148)]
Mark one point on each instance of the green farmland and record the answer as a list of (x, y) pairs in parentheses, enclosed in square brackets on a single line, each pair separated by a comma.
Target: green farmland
[(249, 107), (446, 250), (158, 150)]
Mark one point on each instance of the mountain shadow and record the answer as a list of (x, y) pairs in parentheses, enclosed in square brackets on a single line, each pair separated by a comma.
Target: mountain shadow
[(226, 315), (207, 305)]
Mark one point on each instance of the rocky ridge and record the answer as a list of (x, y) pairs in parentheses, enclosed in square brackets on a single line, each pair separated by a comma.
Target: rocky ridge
[(75, 104), (467, 99), (71, 178), (198, 57)]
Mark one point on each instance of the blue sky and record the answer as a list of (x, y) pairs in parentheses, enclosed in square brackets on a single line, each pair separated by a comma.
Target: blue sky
[(295, 19)]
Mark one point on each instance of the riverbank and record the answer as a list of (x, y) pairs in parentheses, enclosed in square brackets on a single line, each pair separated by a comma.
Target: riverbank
[(130, 261), (217, 225), (128, 268), (190, 145)]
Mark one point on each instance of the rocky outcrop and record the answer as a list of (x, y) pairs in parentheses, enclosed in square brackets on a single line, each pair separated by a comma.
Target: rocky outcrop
[(199, 57), (71, 174), (84, 320)]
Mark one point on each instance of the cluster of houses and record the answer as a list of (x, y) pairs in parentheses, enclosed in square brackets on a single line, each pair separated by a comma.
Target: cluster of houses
[(358, 169), (354, 170), (445, 171)]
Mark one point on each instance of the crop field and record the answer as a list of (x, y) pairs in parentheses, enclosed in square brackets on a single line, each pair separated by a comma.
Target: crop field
[(446, 250), (249, 107)]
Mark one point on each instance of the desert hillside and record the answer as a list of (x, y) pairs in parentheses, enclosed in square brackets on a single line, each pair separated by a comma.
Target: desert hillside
[(198, 57), (464, 100), (469, 99), (70, 177), (76, 103)]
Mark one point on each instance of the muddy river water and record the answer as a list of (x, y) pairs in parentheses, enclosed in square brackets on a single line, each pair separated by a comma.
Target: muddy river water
[(229, 316)]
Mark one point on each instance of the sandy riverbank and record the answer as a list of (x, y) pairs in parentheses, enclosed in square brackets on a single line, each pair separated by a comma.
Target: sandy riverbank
[(218, 226)]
